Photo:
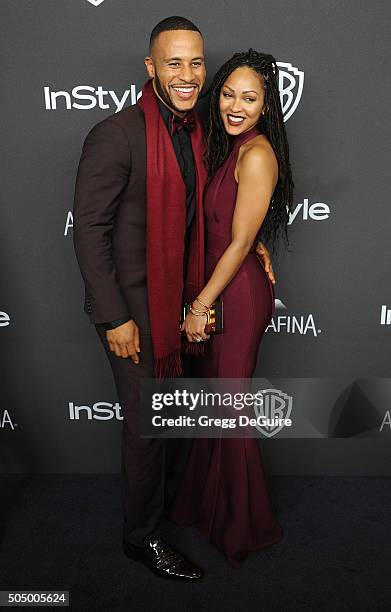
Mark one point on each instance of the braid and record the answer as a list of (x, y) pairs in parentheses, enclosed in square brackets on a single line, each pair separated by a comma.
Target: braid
[(275, 223)]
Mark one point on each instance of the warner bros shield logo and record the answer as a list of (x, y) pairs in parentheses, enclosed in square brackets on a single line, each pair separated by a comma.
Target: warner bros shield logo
[(95, 2), (290, 85), (269, 405)]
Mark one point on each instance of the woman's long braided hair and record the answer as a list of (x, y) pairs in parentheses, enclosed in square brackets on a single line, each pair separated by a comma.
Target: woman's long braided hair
[(275, 223)]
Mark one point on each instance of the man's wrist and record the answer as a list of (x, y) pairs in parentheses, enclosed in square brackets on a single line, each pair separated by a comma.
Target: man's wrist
[(116, 323)]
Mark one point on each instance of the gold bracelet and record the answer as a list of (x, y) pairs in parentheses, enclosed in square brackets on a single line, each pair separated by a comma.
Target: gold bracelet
[(198, 314), (202, 303), (198, 310)]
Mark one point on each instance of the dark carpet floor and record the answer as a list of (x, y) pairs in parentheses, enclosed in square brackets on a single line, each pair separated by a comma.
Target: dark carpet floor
[(64, 532)]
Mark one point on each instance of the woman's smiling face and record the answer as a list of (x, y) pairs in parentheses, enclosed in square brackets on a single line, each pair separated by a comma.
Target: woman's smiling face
[(242, 98)]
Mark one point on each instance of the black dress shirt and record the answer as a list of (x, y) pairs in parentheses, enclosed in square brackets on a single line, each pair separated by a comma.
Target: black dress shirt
[(181, 142)]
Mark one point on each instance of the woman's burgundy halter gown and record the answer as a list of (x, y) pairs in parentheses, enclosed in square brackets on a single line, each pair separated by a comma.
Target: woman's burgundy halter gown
[(223, 492)]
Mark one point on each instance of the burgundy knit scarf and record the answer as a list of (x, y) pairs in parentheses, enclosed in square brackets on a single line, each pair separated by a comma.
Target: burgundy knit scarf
[(166, 225)]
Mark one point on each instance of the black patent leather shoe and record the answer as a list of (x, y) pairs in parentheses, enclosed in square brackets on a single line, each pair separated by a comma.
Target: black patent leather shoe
[(158, 556)]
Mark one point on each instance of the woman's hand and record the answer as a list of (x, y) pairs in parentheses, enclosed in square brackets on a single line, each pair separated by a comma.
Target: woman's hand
[(194, 326), (264, 254)]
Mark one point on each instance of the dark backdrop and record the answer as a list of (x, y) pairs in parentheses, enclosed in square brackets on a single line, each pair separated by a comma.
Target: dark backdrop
[(332, 288)]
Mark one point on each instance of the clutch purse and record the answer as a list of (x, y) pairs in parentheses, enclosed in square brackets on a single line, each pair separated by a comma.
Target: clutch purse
[(214, 322)]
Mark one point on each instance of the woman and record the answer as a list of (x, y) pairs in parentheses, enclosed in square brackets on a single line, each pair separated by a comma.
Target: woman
[(223, 491)]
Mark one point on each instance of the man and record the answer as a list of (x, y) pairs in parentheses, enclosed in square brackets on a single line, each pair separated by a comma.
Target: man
[(137, 231)]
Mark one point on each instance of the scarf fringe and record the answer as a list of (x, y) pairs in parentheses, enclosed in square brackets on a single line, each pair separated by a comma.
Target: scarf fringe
[(169, 366), (193, 348)]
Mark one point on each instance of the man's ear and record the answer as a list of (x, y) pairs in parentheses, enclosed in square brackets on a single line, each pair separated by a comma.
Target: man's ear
[(150, 66)]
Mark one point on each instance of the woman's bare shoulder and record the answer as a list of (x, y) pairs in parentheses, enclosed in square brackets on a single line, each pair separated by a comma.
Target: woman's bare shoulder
[(256, 156)]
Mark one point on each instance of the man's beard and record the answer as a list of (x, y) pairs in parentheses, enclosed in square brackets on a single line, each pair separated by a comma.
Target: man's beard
[(162, 94)]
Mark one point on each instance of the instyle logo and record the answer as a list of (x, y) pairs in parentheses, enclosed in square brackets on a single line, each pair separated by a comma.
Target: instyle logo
[(292, 324), (385, 315), (85, 97), (318, 211), (4, 319), (100, 411), (6, 421)]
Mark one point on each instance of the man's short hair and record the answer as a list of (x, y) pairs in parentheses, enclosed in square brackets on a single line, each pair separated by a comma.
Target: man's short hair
[(172, 23)]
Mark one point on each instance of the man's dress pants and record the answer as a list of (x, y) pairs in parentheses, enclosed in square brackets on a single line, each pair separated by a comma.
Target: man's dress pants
[(150, 467)]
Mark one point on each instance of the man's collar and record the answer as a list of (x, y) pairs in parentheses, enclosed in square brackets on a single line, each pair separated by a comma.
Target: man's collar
[(165, 112), (173, 122)]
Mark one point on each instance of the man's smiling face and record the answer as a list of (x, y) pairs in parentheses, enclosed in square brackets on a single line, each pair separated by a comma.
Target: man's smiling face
[(177, 67)]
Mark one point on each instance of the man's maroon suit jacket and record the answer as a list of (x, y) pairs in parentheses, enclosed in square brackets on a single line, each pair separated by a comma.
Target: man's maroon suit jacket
[(109, 219)]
